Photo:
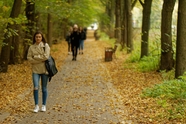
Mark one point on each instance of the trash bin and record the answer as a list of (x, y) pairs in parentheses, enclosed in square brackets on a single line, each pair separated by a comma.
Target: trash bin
[(108, 54)]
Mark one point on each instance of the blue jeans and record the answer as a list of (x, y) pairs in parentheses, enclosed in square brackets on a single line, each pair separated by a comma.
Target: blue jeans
[(81, 44), (44, 81)]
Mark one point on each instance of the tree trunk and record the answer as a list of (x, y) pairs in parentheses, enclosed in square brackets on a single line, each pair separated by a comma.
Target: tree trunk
[(5, 52), (145, 27), (30, 14), (167, 61), (134, 3), (64, 27), (15, 56), (110, 9), (118, 21), (49, 30), (124, 25), (181, 40), (129, 26)]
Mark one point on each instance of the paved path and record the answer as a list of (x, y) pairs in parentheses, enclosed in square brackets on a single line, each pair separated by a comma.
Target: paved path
[(81, 93)]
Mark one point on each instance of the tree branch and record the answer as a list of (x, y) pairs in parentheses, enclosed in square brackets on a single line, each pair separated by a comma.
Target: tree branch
[(141, 3), (134, 3)]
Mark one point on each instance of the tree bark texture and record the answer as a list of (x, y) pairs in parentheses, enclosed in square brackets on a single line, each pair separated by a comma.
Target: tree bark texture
[(167, 62), (5, 52), (110, 9), (145, 27), (118, 21), (124, 21), (15, 56), (181, 40), (123, 25), (30, 14), (129, 26)]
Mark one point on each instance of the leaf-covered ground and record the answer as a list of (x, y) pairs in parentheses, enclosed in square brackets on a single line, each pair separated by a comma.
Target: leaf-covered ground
[(16, 86)]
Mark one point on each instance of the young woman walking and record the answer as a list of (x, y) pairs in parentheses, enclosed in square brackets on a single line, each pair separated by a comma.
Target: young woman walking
[(38, 52)]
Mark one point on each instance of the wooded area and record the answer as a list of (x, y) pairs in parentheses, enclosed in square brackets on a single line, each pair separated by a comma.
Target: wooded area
[(20, 19), (152, 31)]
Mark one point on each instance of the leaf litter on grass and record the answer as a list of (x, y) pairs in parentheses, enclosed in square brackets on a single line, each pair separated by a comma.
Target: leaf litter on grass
[(130, 84)]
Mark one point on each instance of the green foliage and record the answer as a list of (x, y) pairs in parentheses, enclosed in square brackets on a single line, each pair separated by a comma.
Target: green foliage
[(149, 63), (5, 20), (173, 89), (79, 12), (170, 75), (103, 35), (135, 56), (171, 95), (156, 14)]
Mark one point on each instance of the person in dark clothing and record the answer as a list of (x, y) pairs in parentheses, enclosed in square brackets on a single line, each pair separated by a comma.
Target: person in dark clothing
[(82, 38), (69, 40), (75, 38), (85, 30)]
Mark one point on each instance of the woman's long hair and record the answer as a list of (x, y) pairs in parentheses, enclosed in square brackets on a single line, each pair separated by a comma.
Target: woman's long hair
[(43, 39)]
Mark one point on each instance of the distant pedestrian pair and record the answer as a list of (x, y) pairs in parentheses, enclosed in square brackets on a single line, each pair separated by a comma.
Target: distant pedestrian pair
[(75, 39)]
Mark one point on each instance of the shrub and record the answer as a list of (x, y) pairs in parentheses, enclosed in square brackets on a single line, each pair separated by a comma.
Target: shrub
[(173, 89)]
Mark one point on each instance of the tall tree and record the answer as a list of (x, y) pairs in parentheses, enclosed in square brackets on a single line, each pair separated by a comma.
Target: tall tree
[(123, 25), (181, 40), (124, 31), (118, 21), (30, 14), (129, 25), (15, 55), (145, 26), (110, 10), (167, 62), (5, 52)]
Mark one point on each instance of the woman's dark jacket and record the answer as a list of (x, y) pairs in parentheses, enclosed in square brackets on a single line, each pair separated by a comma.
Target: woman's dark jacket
[(75, 37), (83, 35)]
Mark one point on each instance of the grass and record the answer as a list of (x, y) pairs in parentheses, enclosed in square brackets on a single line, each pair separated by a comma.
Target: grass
[(171, 96)]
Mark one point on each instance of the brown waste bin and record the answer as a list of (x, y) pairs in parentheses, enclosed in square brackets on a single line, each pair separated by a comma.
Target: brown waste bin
[(108, 54)]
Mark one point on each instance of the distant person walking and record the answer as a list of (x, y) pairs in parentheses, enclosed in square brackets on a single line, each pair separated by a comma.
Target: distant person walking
[(68, 39), (75, 37), (38, 52), (82, 38), (85, 30)]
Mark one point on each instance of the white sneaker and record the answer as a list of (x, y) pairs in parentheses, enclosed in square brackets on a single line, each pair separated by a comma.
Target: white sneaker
[(43, 108), (36, 109)]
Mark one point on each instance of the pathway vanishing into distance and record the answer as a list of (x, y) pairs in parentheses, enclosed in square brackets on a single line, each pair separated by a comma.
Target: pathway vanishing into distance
[(81, 93)]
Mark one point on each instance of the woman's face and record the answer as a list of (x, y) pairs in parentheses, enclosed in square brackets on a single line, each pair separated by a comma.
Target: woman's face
[(38, 38), (75, 28)]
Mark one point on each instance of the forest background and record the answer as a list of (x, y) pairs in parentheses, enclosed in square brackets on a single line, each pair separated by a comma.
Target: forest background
[(151, 32)]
